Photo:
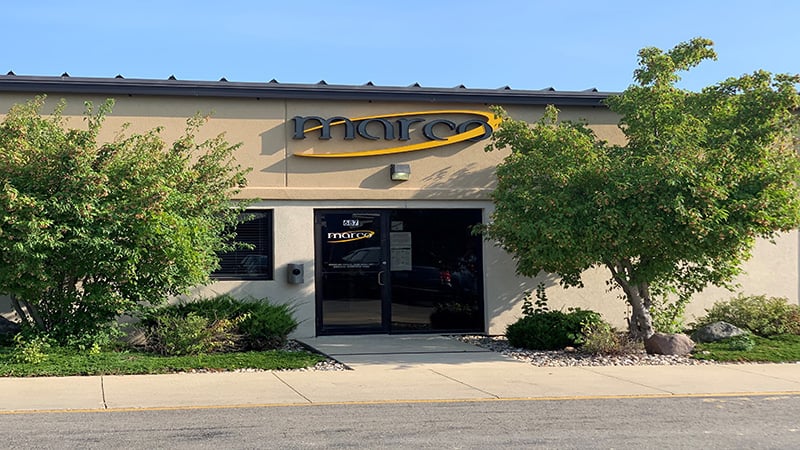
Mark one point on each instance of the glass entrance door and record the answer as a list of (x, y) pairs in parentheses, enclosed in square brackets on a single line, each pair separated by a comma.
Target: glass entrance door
[(403, 270), (352, 262)]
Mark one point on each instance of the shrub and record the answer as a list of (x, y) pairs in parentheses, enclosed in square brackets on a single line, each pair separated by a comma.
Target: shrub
[(668, 316), (538, 306), (219, 324), (104, 338), (267, 325), (602, 339), (543, 329), (174, 336), (212, 308), (577, 319), (742, 342), (95, 228), (191, 335), (30, 348), (759, 314), (550, 330)]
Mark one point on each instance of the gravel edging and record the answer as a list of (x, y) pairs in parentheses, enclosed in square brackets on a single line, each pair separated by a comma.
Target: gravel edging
[(326, 365), (564, 358)]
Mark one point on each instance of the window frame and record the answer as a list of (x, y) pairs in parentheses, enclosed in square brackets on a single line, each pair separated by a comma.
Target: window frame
[(265, 239)]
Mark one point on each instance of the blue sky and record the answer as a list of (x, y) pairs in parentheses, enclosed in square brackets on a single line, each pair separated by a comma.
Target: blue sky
[(531, 44)]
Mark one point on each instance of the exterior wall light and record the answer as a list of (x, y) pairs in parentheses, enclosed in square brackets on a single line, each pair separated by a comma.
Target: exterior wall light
[(400, 172)]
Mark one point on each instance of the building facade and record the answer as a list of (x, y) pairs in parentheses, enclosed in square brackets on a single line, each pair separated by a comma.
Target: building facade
[(364, 198)]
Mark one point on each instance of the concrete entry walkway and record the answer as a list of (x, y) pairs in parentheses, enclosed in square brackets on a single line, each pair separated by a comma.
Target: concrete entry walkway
[(383, 349)]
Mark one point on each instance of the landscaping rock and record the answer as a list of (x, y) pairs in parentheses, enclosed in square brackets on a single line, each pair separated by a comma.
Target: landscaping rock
[(716, 332), (8, 327), (669, 344), (135, 337)]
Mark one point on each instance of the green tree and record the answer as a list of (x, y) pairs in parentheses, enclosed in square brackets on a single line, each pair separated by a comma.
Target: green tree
[(90, 230), (678, 207)]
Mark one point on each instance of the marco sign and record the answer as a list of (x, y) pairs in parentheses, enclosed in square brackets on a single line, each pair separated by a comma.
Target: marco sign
[(393, 132), (349, 236)]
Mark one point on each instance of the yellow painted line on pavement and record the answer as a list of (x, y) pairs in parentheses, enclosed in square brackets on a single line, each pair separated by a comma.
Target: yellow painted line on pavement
[(396, 402)]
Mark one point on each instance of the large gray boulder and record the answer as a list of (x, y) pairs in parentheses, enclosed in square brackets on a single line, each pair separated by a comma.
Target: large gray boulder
[(135, 337), (8, 327), (669, 344), (716, 332)]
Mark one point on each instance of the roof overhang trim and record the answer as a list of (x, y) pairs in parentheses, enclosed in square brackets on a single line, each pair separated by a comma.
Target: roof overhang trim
[(274, 90)]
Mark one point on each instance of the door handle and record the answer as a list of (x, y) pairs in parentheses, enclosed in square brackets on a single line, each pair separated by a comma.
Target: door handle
[(380, 279)]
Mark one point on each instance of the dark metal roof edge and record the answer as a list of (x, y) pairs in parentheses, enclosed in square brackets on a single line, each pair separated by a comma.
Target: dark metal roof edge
[(273, 90)]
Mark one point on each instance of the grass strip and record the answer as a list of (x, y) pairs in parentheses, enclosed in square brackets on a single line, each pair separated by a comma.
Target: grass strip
[(61, 362), (776, 349)]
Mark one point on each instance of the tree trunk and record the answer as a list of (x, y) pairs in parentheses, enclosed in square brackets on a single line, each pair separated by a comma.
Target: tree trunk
[(29, 314), (23, 317), (641, 325), (37, 318), (638, 296)]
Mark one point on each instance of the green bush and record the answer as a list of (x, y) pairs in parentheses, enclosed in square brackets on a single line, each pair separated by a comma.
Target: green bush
[(221, 306), (176, 336), (668, 315), (542, 329), (30, 348), (740, 343), (539, 332), (219, 324), (266, 325), (192, 334), (759, 314), (550, 330), (89, 224), (577, 319), (601, 338)]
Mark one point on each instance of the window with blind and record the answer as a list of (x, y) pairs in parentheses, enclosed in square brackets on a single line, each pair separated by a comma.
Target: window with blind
[(255, 263)]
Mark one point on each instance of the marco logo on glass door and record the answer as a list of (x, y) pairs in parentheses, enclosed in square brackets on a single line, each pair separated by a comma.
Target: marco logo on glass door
[(349, 236), (393, 132)]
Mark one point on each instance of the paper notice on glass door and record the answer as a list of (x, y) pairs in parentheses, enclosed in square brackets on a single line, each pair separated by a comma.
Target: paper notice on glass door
[(400, 243)]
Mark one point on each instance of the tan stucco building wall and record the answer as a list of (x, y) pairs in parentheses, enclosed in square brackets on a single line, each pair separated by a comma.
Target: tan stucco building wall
[(455, 176)]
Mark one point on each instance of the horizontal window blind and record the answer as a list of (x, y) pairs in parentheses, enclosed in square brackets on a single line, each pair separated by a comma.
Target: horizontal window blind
[(256, 262)]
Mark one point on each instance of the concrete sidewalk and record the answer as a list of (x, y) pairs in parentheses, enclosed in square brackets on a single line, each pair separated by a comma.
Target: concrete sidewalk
[(423, 370)]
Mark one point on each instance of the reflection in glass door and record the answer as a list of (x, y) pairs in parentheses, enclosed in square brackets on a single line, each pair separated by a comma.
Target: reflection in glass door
[(352, 264), (436, 273)]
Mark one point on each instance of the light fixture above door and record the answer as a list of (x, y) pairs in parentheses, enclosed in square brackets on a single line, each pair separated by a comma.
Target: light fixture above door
[(400, 172)]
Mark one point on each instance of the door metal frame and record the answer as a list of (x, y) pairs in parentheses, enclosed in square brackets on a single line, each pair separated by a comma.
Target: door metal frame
[(385, 288)]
